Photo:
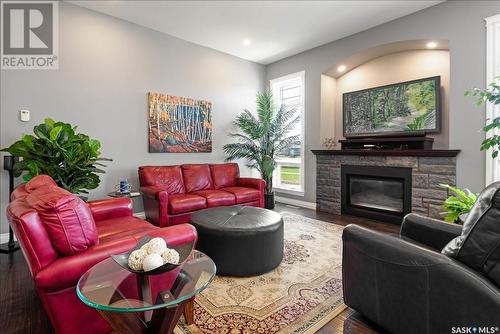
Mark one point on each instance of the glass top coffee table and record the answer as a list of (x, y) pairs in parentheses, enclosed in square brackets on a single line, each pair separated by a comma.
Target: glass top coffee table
[(134, 303)]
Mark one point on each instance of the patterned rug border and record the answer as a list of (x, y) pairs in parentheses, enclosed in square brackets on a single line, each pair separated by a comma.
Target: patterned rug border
[(311, 325), (292, 289), (327, 318), (336, 310)]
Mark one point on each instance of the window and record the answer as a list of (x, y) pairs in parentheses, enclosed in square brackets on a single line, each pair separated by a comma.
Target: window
[(492, 71), (289, 173)]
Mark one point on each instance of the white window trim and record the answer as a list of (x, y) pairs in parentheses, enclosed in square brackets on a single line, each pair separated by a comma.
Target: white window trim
[(492, 71), (302, 75)]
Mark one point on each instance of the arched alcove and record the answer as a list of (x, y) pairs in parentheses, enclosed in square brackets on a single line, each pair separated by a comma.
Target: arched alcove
[(382, 65)]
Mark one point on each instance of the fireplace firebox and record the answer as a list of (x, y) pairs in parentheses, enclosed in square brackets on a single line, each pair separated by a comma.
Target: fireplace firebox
[(377, 192)]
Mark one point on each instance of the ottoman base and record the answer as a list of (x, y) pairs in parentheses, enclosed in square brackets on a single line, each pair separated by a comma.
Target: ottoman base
[(242, 241), (243, 255)]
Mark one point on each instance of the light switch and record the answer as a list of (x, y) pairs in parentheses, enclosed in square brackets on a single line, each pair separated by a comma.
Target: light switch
[(24, 115)]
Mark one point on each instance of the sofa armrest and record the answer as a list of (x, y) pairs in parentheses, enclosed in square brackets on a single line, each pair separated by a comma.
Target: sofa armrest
[(110, 208), (428, 231), (406, 288), (65, 272), (155, 200), (251, 182), (154, 192), (254, 183), (390, 248)]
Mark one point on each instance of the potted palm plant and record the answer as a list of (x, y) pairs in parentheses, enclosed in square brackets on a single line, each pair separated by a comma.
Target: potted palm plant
[(72, 159), (262, 137)]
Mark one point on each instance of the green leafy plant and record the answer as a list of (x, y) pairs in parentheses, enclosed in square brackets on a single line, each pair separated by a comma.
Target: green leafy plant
[(489, 95), (459, 204), (261, 138), (55, 149)]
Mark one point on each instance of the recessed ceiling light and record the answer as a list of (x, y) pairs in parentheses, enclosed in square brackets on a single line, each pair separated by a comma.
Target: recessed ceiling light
[(246, 42), (341, 68), (431, 45)]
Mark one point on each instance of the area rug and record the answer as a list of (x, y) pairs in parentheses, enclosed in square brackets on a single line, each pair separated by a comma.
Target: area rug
[(300, 296)]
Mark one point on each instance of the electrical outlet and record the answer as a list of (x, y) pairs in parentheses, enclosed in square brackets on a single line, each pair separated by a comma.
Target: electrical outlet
[(24, 115)]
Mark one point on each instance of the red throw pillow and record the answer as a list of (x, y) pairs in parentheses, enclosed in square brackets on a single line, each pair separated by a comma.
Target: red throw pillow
[(66, 217), (39, 181), (225, 175)]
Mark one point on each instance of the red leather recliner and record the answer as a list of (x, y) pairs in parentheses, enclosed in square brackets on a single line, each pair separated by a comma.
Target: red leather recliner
[(172, 193), (56, 276)]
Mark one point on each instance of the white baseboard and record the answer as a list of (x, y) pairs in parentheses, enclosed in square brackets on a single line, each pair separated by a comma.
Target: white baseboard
[(4, 237), (141, 215), (296, 202)]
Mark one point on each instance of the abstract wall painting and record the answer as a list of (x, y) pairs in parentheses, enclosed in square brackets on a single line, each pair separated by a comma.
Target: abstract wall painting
[(179, 124)]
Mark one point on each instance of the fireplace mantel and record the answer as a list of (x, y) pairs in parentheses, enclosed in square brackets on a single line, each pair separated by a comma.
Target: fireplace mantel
[(399, 153)]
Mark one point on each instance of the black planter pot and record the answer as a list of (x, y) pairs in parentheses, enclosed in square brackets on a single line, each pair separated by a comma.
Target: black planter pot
[(269, 201)]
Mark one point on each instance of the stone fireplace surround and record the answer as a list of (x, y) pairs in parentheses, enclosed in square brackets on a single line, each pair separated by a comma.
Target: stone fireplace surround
[(429, 169)]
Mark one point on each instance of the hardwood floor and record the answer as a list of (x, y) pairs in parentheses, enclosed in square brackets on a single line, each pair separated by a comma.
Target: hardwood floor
[(21, 310)]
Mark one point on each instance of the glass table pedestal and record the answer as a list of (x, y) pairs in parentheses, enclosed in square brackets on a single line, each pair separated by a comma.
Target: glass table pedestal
[(133, 303)]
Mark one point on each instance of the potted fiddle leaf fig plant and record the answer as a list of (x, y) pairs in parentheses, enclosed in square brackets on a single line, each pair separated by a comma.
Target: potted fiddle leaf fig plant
[(261, 138), (72, 159)]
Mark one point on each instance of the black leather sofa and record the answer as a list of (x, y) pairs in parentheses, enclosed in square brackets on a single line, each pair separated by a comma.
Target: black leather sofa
[(404, 284)]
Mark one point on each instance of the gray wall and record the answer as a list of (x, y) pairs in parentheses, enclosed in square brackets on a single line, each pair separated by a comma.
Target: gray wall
[(103, 89), (106, 68), (460, 22)]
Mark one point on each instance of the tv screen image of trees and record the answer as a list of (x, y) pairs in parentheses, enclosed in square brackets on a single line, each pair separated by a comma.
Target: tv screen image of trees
[(407, 107)]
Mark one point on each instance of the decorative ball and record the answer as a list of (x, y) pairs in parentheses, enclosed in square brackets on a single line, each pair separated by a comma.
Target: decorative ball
[(152, 261), (156, 246), (136, 258), (170, 256), (145, 247)]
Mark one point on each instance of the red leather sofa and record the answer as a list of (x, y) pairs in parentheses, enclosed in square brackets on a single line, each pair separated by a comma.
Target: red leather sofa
[(172, 193), (55, 274)]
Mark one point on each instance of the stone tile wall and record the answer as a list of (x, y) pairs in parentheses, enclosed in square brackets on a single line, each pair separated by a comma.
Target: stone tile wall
[(427, 174)]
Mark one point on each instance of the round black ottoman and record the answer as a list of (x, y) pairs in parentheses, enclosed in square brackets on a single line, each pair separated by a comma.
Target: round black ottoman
[(242, 240)]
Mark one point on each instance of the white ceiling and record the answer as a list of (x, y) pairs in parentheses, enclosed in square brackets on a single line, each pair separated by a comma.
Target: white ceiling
[(276, 29)]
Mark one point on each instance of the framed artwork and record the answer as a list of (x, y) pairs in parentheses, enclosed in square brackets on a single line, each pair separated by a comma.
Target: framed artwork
[(179, 124)]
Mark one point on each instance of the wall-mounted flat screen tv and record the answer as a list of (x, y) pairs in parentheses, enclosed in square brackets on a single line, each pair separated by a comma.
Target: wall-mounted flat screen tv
[(405, 108)]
